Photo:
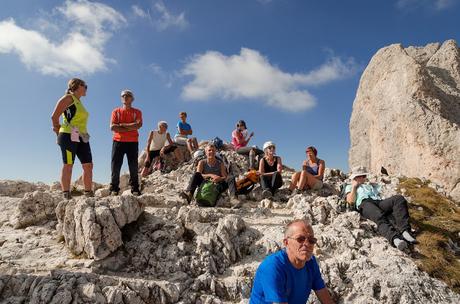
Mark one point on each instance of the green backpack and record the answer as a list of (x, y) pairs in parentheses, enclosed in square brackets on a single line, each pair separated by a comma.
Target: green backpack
[(207, 194)]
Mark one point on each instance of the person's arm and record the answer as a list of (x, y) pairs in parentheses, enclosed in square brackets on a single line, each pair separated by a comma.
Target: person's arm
[(322, 166), (149, 141), (168, 137), (279, 168), (352, 195), (184, 132), (61, 105), (323, 296), (124, 127), (200, 167)]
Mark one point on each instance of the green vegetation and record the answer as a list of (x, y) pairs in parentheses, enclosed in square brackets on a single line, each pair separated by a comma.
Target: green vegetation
[(437, 219)]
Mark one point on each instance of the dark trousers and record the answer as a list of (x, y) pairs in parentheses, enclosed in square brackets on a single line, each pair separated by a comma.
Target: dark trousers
[(381, 211), (252, 153), (271, 182), (197, 179), (119, 149)]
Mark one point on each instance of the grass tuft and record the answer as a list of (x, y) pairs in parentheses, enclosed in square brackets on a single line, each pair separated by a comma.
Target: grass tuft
[(437, 219)]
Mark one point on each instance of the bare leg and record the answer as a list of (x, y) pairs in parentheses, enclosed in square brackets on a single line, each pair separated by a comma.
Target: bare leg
[(66, 176), (145, 172), (294, 180), (302, 180), (195, 143), (190, 146), (88, 176)]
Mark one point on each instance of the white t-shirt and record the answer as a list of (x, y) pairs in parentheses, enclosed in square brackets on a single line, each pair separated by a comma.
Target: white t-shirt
[(158, 141)]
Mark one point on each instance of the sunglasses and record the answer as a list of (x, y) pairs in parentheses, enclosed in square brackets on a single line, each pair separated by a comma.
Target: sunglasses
[(84, 85), (302, 239)]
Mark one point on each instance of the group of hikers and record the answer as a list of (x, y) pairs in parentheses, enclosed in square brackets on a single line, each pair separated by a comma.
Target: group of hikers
[(287, 276)]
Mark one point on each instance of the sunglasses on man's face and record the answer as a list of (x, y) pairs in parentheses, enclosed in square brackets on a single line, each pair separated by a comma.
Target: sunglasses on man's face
[(302, 239), (84, 85)]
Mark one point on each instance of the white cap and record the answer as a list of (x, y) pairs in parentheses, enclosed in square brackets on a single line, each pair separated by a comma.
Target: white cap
[(358, 171), (268, 144), (127, 92)]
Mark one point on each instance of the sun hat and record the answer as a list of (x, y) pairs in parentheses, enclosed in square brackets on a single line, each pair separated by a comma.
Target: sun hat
[(268, 144), (358, 171), (127, 92)]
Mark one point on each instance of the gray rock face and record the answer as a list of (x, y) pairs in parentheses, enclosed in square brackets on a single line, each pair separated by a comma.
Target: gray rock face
[(406, 114), (12, 188), (93, 226)]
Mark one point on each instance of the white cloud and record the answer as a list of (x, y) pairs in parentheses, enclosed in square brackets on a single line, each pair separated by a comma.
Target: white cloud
[(166, 19), (428, 4), (91, 25), (249, 75), (139, 12), (160, 17)]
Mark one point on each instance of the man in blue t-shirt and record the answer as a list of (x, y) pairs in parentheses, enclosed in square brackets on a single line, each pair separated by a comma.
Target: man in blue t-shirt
[(289, 275), (183, 131)]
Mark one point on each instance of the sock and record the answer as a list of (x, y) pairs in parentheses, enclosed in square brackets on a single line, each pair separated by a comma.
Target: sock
[(406, 235)]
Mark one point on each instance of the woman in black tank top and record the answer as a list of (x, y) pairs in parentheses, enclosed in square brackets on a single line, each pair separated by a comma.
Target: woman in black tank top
[(270, 168)]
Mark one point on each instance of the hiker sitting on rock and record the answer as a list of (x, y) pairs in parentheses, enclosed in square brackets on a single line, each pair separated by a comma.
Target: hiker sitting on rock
[(289, 275), (211, 169), (270, 168), (156, 148), (240, 140), (367, 199), (311, 176), (183, 131)]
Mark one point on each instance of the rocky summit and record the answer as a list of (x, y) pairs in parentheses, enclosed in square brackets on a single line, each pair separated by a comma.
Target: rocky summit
[(406, 114), (155, 248)]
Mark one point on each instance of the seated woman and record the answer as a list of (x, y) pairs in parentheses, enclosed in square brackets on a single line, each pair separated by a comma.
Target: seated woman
[(270, 168), (156, 147), (210, 168), (311, 176), (240, 140)]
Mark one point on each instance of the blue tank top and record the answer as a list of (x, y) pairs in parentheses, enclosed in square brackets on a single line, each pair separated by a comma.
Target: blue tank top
[(207, 169)]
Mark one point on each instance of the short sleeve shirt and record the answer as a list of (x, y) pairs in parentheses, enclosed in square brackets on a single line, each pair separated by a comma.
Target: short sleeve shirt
[(364, 191), (184, 126), (276, 280), (121, 115)]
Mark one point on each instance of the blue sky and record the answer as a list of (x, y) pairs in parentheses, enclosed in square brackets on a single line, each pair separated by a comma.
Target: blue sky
[(289, 68)]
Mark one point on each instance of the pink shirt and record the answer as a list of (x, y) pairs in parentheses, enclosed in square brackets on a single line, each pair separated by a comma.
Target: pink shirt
[(238, 136)]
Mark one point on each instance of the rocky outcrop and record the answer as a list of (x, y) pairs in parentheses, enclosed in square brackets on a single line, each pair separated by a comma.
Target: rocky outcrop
[(35, 208), (173, 252), (12, 188), (406, 114), (93, 226)]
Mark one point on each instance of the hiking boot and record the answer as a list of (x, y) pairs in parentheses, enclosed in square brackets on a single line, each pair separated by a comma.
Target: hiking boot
[(186, 195), (136, 192), (400, 244), (67, 195), (409, 237), (266, 194), (89, 193)]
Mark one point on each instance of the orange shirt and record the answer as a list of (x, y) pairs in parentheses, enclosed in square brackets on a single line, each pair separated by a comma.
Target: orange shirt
[(121, 115)]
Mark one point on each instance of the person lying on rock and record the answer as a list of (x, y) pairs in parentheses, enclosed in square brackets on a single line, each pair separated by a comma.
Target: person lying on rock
[(368, 202), (210, 168), (311, 176), (240, 140), (289, 275), (270, 168), (156, 148), (183, 131)]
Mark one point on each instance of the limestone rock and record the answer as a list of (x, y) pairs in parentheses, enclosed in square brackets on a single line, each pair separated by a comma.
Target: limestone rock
[(406, 114), (93, 226), (19, 188)]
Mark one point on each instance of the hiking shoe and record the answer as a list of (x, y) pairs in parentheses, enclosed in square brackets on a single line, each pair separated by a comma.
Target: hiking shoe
[(409, 237), (136, 192), (186, 195), (67, 195), (266, 194), (114, 193), (89, 193), (400, 244)]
